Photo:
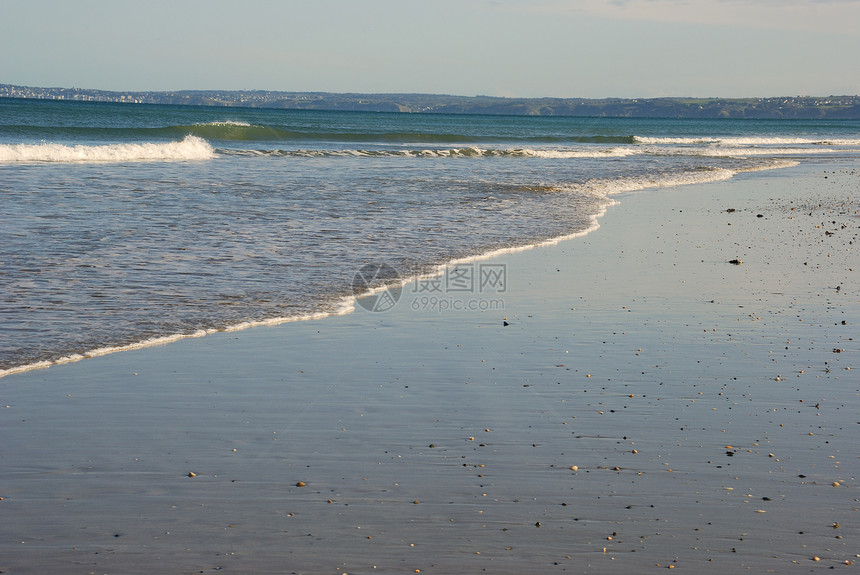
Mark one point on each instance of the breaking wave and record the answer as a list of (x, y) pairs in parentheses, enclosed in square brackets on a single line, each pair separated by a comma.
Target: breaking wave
[(748, 141), (189, 148), (465, 152)]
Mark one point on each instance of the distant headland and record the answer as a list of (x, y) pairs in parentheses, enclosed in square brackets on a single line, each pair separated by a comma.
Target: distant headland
[(789, 107)]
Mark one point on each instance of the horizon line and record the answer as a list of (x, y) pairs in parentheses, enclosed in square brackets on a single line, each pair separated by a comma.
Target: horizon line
[(443, 94)]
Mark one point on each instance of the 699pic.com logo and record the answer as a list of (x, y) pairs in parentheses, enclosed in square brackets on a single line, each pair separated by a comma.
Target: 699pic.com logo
[(377, 287)]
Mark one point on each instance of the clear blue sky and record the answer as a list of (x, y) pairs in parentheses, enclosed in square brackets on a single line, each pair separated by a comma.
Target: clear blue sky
[(526, 48)]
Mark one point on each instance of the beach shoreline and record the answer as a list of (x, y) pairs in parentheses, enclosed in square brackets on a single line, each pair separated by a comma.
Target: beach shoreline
[(632, 400), (346, 304)]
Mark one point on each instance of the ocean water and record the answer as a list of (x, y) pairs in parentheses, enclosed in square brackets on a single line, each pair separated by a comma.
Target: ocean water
[(125, 225)]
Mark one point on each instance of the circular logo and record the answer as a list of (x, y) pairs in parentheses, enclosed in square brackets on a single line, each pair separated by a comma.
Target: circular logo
[(377, 287)]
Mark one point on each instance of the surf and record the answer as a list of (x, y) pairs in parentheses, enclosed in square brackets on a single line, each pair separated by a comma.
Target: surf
[(189, 148)]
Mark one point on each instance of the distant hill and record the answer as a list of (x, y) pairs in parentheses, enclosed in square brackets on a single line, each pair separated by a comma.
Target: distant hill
[(794, 107)]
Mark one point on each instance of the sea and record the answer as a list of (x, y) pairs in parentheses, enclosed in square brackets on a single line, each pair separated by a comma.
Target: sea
[(128, 225)]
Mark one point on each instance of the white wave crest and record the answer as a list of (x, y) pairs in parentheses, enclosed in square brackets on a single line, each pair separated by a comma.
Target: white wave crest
[(470, 152), (746, 141), (618, 152), (467, 152), (721, 152), (190, 148), (226, 123)]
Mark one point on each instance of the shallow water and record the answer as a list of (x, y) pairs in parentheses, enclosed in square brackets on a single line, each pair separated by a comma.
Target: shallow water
[(125, 224)]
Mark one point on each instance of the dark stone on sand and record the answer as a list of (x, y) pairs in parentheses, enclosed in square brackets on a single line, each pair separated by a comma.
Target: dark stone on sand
[(736, 262)]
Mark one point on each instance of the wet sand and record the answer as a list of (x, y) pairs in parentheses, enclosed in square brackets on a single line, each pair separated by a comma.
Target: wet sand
[(640, 403)]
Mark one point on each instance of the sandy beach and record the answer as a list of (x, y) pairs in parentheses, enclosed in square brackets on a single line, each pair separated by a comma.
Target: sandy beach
[(626, 401)]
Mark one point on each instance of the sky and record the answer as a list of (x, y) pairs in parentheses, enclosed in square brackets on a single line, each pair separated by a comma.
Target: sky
[(515, 48)]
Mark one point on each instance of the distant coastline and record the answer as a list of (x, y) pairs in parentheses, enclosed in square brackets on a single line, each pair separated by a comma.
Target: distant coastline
[(789, 107)]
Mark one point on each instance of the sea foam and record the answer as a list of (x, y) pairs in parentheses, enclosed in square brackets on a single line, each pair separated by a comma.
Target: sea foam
[(749, 141), (190, 148), (345, 306), (466, 152)]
